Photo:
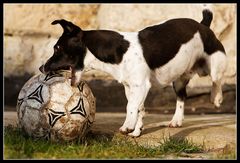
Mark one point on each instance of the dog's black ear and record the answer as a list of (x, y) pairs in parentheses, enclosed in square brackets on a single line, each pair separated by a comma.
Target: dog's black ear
[(66, 25)]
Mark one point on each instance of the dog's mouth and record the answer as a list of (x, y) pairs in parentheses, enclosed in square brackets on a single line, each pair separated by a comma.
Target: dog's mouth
[(65, 68), (59, 69)]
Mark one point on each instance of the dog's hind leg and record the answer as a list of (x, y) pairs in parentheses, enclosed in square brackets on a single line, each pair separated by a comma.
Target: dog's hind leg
[(218, 67), (179, 86)]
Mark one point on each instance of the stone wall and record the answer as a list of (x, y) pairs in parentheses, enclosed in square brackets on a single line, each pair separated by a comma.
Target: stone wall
[(29, 36)]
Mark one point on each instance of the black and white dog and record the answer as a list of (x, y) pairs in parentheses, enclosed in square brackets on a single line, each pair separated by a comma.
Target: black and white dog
[(173, 51)]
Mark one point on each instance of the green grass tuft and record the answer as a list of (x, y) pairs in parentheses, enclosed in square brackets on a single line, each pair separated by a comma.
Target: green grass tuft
[(95, 146), (178, 144)]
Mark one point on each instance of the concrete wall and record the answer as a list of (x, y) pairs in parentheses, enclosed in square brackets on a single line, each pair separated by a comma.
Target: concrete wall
[(29, 36)]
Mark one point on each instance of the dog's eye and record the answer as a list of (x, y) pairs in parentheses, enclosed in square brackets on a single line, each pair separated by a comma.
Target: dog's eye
[(57, 48)]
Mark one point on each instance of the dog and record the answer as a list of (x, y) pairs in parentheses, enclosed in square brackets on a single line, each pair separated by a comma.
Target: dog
[(172, 52)]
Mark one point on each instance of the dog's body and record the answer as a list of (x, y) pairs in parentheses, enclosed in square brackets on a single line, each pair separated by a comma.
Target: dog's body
[(172, 51)]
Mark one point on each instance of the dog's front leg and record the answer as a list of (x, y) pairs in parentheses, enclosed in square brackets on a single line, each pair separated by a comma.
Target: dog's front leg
[(76, 77), (139, 125), (136, 96)]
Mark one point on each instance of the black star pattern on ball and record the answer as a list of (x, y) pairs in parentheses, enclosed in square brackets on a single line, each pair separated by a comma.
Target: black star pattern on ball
[(80, 86), (37, 94), (51, 75), (19, 102), (54, 116), (89, 123), (79, 109)]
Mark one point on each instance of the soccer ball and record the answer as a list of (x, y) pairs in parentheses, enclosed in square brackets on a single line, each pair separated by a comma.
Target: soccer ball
[(49, 107)]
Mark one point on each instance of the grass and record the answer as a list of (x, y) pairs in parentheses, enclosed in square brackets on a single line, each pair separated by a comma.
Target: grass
[(178, 145), (95, 146)]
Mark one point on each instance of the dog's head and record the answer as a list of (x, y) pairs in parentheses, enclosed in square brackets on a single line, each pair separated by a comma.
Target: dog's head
[(69, 51)]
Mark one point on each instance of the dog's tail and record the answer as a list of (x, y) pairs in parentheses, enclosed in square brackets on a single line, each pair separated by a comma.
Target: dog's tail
[(207, 17)]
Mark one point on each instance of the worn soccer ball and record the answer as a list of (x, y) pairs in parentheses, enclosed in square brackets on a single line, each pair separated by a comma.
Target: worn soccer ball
[(49, 107)]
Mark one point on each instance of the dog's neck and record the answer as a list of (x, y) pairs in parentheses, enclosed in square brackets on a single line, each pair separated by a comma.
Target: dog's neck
[(92, 63)]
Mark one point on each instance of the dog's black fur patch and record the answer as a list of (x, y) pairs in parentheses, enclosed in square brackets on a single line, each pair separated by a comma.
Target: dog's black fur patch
[(207, 17), (179, 87), (107, 46), (69, 51), (160, 43)]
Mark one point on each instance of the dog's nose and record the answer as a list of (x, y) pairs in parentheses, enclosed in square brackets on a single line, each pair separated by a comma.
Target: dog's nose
[(42, 69)]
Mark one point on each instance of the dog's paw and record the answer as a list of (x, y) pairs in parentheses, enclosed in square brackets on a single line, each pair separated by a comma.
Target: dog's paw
[(127, 127), (75, 78), (175, 123), (217, 100), (124, 130), (135, 133)]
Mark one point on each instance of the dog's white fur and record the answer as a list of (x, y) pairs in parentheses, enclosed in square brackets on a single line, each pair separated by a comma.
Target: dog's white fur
[(134, 73)]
